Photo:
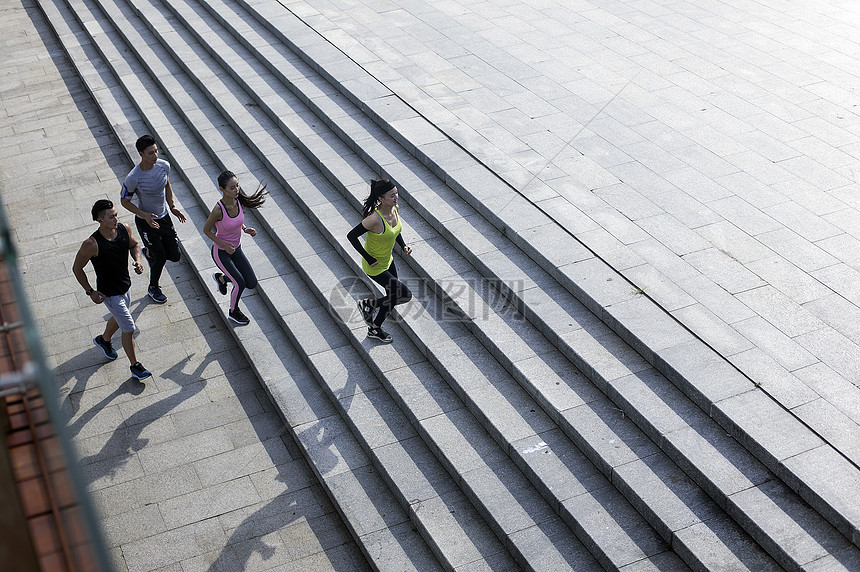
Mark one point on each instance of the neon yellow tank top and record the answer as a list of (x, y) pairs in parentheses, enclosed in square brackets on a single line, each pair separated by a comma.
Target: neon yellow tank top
[(380, 246)]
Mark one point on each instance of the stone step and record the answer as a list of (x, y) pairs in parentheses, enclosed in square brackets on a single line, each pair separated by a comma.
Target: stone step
[(246, 34), (446, 159), (217, 49), (811, 469)]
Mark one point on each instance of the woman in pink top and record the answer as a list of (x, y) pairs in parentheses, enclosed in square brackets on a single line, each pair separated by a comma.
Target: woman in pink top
[(228, 221)]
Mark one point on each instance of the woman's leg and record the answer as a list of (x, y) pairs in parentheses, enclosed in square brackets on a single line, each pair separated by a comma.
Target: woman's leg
[(240, 261), (224, 261), (396, 293)]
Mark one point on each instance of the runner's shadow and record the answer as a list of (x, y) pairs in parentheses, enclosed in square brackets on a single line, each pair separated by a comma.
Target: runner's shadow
[(132, 386), (82, 375), (126, 440), (296, 504), (72, 405), (302, 502)]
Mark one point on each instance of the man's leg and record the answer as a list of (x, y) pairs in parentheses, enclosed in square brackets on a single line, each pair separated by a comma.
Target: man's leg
[(157, 259), (169, 240), (128, 346), (121, 316), (154, 250), (103, 340), (110, 329)]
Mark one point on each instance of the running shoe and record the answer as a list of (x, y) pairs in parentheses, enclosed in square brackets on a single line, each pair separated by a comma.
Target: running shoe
[(106, 347), (140, 372), (366, 312), (238, 317), (222, 285), (378, 333), (156, 294)]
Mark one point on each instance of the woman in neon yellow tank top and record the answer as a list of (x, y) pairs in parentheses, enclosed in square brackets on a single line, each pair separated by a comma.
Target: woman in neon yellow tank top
[(381, 222)]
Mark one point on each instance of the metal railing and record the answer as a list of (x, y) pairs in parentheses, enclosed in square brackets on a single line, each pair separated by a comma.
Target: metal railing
[(25, 372)]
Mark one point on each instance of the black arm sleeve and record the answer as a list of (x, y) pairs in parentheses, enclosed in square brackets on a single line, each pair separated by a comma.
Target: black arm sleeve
[(353, 235), (399, 241)]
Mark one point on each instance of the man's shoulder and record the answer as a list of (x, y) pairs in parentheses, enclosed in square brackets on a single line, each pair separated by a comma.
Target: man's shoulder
[(133, 175), (162, 163), (90, 245)]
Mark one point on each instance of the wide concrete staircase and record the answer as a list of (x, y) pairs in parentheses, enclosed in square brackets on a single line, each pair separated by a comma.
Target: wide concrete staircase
[(535, 411)]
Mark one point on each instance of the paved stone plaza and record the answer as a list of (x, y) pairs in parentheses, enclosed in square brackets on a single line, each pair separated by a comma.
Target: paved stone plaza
[(705, 151)]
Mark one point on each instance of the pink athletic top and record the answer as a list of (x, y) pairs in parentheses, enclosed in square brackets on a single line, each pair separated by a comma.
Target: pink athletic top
[(229, 229)]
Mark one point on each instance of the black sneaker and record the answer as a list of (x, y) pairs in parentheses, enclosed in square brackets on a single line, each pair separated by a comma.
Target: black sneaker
[(106, 347), (378, 333), (238, 317), (140, 372), (156, 294), (222, 285), (366, 312)]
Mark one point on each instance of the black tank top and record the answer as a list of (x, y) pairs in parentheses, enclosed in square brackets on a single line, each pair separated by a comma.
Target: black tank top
[(111, 265)]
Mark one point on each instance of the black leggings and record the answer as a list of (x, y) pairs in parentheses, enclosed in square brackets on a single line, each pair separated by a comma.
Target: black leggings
[(396, 293), (237, 269), (161, 245)]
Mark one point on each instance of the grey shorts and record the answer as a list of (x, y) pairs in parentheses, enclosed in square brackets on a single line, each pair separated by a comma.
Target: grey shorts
[(118, 307)]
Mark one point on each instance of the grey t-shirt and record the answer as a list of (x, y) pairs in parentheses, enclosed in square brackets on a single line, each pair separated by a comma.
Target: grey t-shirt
[(148, 187)]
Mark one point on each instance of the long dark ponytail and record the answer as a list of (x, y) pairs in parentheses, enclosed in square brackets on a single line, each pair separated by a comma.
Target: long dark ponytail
[(253, 201), (378, 187)]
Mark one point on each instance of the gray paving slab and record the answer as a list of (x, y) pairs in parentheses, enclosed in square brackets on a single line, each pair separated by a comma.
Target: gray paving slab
[(671, 508), (620, 442), (517, 508), (667, 293), (204, 504), (706, 324), (549, 551), (480, 545)]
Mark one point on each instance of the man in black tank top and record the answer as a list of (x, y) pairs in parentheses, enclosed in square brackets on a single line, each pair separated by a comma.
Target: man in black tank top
[(108, 249)]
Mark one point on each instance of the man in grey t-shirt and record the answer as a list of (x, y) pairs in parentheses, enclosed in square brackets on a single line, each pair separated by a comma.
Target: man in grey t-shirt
[(149, 183)]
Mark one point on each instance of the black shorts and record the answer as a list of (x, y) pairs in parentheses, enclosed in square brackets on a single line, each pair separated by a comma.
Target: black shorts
[(161, 243)]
